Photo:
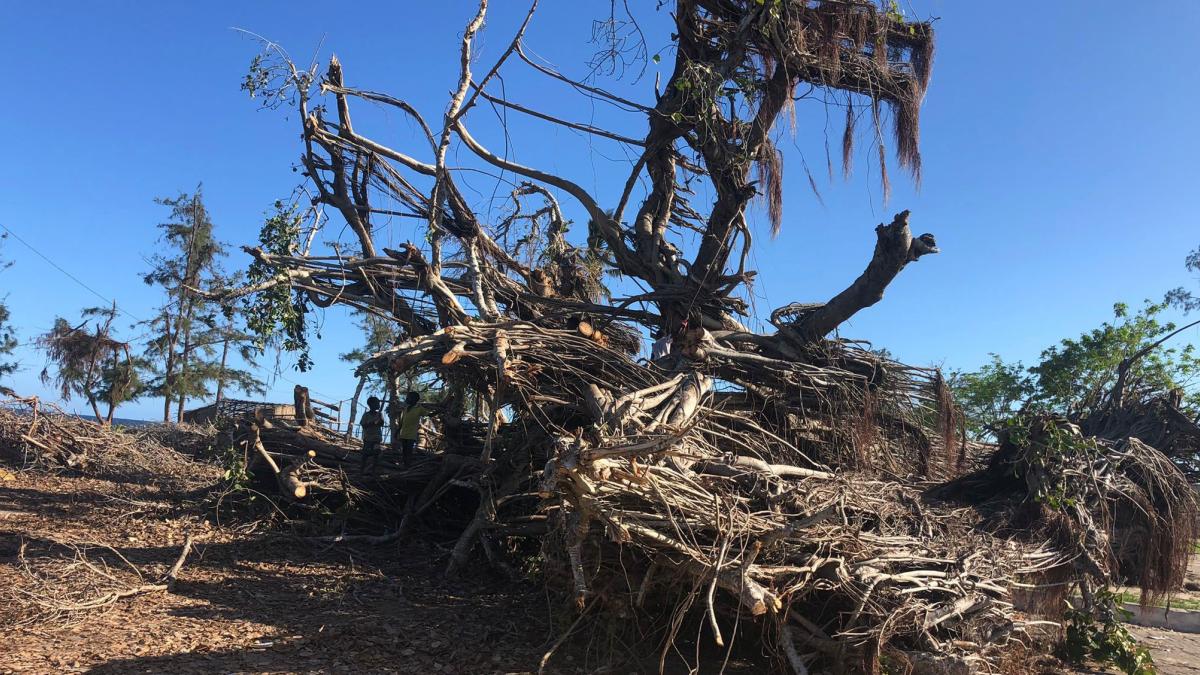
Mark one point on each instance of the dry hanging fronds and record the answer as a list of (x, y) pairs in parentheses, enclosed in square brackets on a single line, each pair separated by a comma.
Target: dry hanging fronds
[(770, 173)]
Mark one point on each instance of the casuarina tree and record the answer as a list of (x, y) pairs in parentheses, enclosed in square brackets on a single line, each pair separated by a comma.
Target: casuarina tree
[(191, 335), (88, 361)]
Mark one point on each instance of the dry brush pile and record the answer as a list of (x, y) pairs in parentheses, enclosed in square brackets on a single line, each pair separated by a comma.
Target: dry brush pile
[(35, 435), (846, 536), (54, 578)]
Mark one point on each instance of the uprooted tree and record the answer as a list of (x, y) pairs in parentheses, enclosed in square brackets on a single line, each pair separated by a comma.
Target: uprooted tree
[(1121, 379), (778, 476)]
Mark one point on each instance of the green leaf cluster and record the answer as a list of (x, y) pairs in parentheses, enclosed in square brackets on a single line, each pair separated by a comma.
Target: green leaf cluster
[(990, 395), (1100, 635), (278, 315), (1075, 376), (1181, 297)]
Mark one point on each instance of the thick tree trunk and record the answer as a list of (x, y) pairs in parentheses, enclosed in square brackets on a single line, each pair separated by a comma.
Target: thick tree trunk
[(169, 372), (362, 381), (301, 403), (895, 247), (224, 360), (96, 410)]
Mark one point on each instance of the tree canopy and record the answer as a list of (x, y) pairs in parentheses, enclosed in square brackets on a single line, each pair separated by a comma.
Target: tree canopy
[(738, 68), (86, 360), (1076, 377)]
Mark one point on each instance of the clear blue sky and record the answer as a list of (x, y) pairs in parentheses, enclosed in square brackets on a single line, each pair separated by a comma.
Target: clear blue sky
[(1059, 144)]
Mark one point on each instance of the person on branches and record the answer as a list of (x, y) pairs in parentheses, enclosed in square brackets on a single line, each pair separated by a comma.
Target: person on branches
[(372, 432), (406, 425)]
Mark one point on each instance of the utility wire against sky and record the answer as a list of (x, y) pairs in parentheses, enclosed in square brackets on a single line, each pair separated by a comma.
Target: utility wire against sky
[(72, 277), (100, 295)]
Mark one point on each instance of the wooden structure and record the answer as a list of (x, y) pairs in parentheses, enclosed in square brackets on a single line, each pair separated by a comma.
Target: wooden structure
[(326, 414)]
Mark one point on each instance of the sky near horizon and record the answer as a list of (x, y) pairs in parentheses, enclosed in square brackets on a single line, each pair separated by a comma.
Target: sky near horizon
[(1059, 159)]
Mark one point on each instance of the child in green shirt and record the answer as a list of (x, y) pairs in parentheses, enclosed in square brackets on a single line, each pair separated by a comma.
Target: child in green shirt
[(407, 427)]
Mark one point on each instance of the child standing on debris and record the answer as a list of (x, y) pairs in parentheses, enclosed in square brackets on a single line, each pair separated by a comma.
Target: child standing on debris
[(372, 431), (409, 424)]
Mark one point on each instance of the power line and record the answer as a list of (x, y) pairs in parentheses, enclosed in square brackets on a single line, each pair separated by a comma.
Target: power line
[(100, 295), (72, 277)]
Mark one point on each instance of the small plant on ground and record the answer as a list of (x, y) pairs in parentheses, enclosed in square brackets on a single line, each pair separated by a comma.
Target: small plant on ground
[(1100, 635)]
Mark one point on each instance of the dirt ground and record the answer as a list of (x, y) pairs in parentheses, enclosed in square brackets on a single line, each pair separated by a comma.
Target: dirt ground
[(249, 603), (241, 605)]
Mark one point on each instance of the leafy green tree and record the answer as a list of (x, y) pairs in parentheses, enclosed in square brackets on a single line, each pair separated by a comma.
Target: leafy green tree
[(1181, 297), (1079, 375), (991, 394), (87, 361), (8, 339), (278, 314), (1076, 376)]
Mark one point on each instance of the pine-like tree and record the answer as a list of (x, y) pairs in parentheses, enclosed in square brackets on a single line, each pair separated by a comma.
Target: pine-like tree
[(378, 333), (8, 339), (192, 335)]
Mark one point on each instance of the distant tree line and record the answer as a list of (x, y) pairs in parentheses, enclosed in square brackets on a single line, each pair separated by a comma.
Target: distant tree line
[(194, 347), (1073, 377)]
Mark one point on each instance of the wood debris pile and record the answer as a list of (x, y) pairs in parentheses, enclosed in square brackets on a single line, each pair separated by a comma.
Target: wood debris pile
[(667, 502), (36, 435)]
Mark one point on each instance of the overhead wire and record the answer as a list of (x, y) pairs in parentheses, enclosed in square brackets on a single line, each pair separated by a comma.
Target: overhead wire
[(70, 276), (111, 301)]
